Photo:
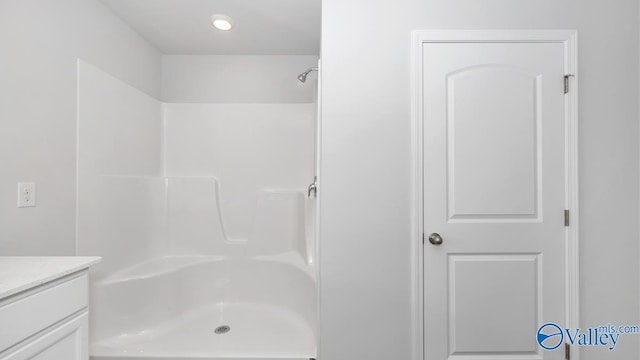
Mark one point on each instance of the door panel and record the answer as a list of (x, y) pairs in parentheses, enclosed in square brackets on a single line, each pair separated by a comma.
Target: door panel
[(512, 302), (494, 189), (492, 143)]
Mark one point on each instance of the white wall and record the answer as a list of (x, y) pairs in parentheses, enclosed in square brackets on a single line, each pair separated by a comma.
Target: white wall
[(41, 41), (366, 247), (237, 79)]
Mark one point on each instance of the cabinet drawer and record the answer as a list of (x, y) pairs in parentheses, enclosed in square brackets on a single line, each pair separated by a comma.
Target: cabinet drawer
[(66, 341), (25, 317)]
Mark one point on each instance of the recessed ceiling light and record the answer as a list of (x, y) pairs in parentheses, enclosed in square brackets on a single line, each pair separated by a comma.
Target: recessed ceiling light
[(222, 22)]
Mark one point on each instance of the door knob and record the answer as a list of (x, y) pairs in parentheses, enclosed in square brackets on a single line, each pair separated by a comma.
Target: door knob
[(435, 239)]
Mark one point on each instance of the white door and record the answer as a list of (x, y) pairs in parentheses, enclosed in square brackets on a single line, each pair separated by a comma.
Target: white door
[(494, 192)]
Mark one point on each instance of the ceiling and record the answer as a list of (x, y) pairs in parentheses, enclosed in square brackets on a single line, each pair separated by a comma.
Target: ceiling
[(262, 27)]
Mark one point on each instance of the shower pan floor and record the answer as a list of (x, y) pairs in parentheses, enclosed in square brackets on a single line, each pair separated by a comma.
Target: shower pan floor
[(256, 331)]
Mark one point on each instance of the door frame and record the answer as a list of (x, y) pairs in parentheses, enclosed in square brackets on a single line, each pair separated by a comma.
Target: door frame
[(569, 38)]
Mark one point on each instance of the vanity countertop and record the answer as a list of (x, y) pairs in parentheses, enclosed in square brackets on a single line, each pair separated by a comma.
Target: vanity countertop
[(20, 273)]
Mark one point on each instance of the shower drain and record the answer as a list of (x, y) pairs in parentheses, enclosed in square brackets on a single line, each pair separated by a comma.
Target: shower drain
[(222, 329)]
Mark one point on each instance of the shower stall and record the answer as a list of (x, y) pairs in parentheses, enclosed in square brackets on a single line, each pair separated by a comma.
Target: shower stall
[(204, 214)]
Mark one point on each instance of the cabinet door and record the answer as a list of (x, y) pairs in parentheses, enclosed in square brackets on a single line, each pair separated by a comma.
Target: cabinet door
[(67, 341)]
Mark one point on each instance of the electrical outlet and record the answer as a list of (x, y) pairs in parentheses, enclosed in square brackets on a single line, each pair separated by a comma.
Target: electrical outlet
[(26, 194)]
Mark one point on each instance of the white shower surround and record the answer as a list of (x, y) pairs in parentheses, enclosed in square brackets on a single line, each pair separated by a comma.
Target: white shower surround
[(152, 180), (251, 295)]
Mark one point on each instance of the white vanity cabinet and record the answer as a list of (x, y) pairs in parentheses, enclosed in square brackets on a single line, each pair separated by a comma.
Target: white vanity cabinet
[(46, 319)]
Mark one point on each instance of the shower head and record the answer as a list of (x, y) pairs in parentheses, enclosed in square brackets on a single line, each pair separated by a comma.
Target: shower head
[(303, 77)]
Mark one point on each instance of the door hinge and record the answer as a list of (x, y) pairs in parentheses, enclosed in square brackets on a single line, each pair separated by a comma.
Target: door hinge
[(566, 218), (566, 83), (567, 351)]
